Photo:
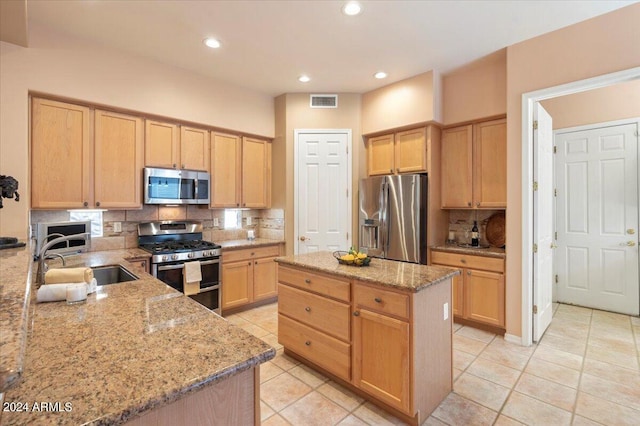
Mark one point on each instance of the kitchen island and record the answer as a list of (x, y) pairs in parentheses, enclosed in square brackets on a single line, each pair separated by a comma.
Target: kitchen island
[(134, 352), (384, 330)]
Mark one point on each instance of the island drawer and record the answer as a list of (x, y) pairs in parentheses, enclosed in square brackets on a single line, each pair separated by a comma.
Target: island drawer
[(317, 283), (327, 315), (325, 351), (250, 253), (381, 300), (468, 261)]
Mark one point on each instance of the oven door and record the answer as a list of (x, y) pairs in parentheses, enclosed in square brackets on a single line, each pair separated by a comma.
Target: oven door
[(209, 295)]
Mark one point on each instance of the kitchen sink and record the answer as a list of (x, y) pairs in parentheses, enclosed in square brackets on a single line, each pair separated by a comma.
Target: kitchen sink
[(112, 274)]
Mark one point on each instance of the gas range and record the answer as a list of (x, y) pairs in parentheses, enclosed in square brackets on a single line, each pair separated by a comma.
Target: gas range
[(174, 241), (173, 251)]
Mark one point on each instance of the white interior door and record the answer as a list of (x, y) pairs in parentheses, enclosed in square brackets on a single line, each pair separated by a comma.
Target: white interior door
[(323, 199), (597, 213), (543, 222)]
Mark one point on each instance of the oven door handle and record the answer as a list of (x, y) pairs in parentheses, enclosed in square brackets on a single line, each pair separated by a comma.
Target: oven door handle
[(209, 262), (169, 267)]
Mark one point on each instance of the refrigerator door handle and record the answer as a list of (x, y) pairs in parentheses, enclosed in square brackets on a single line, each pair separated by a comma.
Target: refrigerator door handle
[(384, 222)]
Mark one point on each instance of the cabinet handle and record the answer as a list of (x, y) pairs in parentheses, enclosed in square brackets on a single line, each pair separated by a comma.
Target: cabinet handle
[(85, 204), (237, 204), (174, 165), (308, 343), (478, 204), (308, 309), (390, 170), (463, 260), (253, 253), (97, 203), (244, 204), (378, 300), (356, 314), (398, 170), (255, 263), (308, 281), (468, 272), (469, 204), (249, 263), (183, 166)]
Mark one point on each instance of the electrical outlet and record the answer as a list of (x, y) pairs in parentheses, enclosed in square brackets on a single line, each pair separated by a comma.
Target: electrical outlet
[(216, 221), (248, 220), (117, 226), (446, 311)]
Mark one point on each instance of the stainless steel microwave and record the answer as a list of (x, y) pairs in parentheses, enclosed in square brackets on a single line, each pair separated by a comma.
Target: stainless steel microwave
[(171, 186), (46, 232)]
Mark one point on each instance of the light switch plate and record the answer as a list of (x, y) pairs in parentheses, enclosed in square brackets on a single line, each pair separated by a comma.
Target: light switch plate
[(117, 226), (446, 311), (216, 221), (248, 220)]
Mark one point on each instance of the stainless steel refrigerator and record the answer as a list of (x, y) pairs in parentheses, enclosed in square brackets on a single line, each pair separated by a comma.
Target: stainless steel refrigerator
[(393, 217)]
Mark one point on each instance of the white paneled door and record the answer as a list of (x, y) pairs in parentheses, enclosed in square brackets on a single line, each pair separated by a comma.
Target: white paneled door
[(543, 224), (597, 218), (323, 198)]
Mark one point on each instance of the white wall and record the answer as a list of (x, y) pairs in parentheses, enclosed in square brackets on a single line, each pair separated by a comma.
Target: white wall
[(72, 68)]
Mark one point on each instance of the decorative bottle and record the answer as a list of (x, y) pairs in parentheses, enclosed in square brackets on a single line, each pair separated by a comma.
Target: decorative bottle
[(475, 238)]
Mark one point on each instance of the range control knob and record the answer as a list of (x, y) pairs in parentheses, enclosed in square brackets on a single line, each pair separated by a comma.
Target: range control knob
[(190, 255), (174, 257), (165, 258)]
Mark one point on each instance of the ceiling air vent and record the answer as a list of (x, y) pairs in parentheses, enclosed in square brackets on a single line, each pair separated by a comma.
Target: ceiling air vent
[(324, 101)]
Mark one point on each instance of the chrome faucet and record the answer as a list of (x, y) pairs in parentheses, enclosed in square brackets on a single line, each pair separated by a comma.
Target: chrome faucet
[(42, 256)]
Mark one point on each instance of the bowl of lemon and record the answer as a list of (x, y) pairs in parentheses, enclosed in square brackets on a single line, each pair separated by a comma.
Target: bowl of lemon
[(352, 257)]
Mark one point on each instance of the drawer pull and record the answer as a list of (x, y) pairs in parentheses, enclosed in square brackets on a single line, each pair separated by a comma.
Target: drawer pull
[(308, 343), (378, 300), (308, 309), (356, 314), (308, 281), (468, 272), (463, 260)]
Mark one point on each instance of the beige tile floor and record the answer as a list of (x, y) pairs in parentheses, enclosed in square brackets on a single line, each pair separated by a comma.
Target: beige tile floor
[(585, 371)]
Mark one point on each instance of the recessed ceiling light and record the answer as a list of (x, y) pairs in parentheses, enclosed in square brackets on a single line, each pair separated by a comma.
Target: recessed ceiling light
[(212, 42), (352, 8), (380, 74), (304, 78)]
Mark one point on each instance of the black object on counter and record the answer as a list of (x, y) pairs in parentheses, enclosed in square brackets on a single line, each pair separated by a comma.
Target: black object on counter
[(475, 240), (9, 187), (10, 242)]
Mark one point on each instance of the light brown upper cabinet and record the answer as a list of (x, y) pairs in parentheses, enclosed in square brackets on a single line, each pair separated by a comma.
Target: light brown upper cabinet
[(256, 173), (194, 148), (400, 152), (60, 155), (474, 166), (240, 171), (161, 145), (226, 164), (118, 160), (71, 169)]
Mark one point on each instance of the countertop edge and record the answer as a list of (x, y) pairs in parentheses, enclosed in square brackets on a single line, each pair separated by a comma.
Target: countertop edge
[(244, 243), (486, 252)]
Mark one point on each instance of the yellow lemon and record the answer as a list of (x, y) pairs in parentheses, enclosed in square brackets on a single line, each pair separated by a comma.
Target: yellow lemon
[(362, 255)]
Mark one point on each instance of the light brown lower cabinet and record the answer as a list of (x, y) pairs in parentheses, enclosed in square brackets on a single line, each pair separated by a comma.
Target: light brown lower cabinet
[(393, 346), (233, 401), (478, 293), (249, 276)]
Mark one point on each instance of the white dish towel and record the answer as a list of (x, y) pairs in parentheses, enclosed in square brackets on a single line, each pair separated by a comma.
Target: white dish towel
[(191, 277)]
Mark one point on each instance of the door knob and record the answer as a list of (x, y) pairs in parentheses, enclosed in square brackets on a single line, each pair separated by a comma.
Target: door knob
[(554, 245), (303, 238), (631, 243), (631, 231)]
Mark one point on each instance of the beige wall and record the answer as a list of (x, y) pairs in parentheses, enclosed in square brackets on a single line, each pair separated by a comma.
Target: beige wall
[(598, 46), (293, 112), (71, 68), (411, 101), (476, 91), (610, 103)]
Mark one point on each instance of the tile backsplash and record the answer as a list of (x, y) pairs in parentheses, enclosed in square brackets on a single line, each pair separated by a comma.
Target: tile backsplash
[(461, 221), (266, 223)]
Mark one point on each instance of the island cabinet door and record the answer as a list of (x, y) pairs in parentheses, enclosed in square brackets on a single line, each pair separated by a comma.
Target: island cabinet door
[(381, 362), (265, 278)]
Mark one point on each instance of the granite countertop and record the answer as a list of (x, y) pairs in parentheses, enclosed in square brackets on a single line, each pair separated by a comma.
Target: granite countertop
[(488, 251), (389, 273), (239, 244), (131, 347)]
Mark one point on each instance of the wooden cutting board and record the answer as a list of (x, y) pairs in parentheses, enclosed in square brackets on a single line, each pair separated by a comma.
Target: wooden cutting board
[(496, 228)]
